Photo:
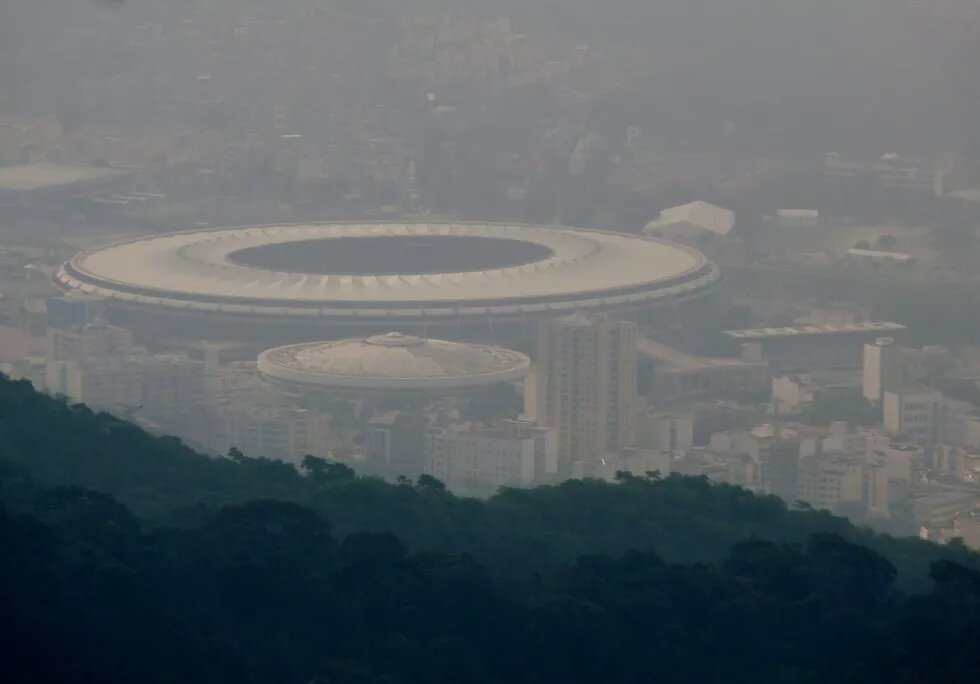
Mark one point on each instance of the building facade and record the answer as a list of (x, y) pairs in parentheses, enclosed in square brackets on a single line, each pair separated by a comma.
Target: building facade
[(889, 367), (511, 452), (914, 413), (584, 385)]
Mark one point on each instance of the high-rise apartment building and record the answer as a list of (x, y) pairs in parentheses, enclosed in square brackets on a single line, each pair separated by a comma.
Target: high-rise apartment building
[(889, 367), (584, 386)]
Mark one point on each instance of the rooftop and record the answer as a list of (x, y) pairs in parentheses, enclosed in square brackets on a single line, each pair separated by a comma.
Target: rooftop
[(702, 215), (392, 362), (804, 330), (878, 254), (40, 176), (216, 270), (681, 360)]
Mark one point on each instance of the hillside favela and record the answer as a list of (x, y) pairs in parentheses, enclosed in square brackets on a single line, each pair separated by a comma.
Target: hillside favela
[(424, 341)]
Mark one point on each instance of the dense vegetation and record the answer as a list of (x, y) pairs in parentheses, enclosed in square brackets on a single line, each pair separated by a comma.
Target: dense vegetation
[(242, 569), (265, 593), (45, 442)]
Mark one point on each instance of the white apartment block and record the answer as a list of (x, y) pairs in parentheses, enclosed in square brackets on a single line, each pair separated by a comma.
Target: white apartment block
[(515, 453), (283, 433)]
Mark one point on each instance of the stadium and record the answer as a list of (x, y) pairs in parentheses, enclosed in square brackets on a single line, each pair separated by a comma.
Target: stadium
[(314, 281)]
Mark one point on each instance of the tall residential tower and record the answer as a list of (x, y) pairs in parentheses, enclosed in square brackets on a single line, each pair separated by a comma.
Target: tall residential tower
[(584, 386)]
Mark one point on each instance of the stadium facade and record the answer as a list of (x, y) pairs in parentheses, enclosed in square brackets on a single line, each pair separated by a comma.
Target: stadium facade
[(317, 281)]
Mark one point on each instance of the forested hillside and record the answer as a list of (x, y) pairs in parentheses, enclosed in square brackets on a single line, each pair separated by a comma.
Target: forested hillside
[(265, 593), (245, 570), (45, 442)]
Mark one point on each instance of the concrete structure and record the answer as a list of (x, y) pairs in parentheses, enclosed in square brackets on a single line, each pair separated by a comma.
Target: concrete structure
[(95, 340), (777, 452), (37, 184), (395, 443), (665, 432), (938, 508), (391, 364), (691, 221), (676, 374), (889, 367), (795, 392), (797, 218), (810, 347), (967, 528), (844, 483), (892, 171), (469, 456), (960, 423), (113, 385), (71, 312), (584, 385), (959, 462), (163, 389), (388, 275), (838, 470), (173, 388), (916, 413), (720, 466), (278, 432), (878, 256)]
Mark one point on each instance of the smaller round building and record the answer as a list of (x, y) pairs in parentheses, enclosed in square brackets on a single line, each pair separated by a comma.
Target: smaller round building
[(391, 363)]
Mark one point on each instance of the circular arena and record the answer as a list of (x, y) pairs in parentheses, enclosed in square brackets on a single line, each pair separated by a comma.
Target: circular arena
[(380, 276), (391, 363)]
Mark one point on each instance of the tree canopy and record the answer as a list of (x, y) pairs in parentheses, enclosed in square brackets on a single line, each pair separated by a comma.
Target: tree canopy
[(126, 557)]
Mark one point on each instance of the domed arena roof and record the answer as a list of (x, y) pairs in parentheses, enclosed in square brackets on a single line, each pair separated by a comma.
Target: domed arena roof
[(392, 362)]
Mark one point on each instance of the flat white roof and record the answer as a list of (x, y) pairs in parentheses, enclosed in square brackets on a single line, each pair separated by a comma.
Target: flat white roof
[(38, 176), (876, 254), (801, 330), (700, 214), (798, 213)]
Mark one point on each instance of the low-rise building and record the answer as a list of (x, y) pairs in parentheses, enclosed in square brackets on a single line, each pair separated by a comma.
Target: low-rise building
[(277, 432), (720, 466), (794, 392), (395, 443), (805, 348), (776, 450), (103, 384), (938, 508), (876, 256), (665, 432), (797, 218), (915, 413), (957, 462), (470, 456), (960, 423), (692, 221), (92, 340), (676, 374), (844, 483)]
